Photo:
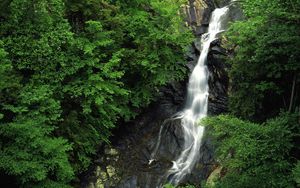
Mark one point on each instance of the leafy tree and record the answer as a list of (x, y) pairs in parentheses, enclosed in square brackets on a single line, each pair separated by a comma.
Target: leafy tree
[(29, 108), (255, 155), (264, 68), (296, 173)]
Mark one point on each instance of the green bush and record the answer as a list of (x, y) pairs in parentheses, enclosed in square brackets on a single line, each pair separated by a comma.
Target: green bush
[(255, 155)]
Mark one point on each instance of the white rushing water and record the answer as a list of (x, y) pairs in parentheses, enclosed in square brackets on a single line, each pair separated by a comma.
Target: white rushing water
[(196, 104)]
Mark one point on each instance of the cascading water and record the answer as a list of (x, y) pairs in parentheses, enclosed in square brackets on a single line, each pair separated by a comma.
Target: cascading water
[(196, 105)]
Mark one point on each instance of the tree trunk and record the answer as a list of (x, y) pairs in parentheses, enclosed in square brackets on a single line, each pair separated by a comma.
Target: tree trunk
[(293, 92)]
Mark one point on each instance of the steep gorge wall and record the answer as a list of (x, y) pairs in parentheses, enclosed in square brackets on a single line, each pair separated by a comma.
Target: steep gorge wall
[(125, 164)]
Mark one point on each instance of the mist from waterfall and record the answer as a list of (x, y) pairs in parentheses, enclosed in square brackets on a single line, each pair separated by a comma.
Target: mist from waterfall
[(196, 105)]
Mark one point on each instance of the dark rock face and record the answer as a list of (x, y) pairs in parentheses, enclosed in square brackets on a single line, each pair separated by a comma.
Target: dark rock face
[(125, 164), (218, 83), (221, 3), (198, 14)]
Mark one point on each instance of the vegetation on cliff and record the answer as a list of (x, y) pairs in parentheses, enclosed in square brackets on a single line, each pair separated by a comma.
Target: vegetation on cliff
[(261, 148), (70, 70), (256, 155)]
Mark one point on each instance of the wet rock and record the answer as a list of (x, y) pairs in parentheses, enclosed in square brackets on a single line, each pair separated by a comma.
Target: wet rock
[(192, 54), (221, 3), (197, 44), (218, 50), (197, 15), (195, 12), (216, 42), (218, 84), (199, 30), (206, 15)]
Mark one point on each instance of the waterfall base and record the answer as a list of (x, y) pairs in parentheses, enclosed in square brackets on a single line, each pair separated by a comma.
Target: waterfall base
[(125, 164)]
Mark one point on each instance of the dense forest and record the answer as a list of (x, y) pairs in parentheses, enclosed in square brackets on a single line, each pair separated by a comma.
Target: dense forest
[(71, 70), (261, 148)]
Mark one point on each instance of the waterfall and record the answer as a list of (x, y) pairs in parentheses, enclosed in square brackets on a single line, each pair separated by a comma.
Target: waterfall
[(196, 105)]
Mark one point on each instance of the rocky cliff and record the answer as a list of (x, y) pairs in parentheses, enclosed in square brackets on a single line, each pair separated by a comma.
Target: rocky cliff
[(125, 163), (197, 15)]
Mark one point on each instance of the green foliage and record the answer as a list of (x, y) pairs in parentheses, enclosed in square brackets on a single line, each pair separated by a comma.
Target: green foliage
[(255, 155), (168, 186), (266, 58), (70, 70), (32, 154), (150, 37), (296, 173)]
